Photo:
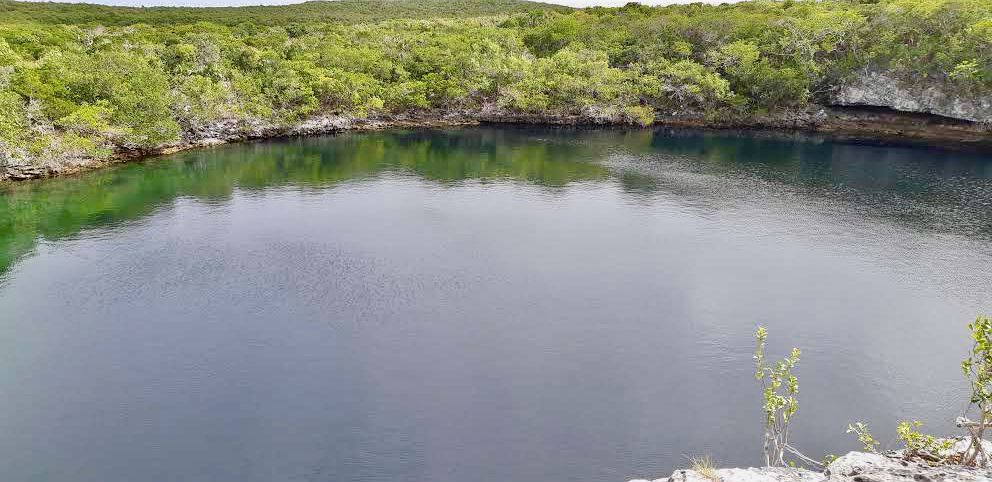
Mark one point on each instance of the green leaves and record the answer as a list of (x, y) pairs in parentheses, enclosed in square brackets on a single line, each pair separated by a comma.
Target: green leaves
[(780, 388), (918, 443), (13, 124), (978, 368), (574, 81), (868, 442)]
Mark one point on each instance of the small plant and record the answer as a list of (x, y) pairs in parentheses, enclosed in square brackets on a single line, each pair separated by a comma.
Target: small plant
[(919, 445), (864, 436), (639, 115), (978, 368), (704, 466), (780, 388)]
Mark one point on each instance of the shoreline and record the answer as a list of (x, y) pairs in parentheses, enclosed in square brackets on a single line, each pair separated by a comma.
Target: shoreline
[(860, 125), (855, 466)]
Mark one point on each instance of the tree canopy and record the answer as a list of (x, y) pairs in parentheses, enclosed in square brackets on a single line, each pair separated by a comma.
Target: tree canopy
[(78, 79)]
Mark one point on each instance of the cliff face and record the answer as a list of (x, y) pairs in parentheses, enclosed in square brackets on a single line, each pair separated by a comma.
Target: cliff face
[(880, 89)]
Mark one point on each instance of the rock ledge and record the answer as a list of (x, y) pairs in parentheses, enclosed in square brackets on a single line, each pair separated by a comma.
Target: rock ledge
[(853, 467)]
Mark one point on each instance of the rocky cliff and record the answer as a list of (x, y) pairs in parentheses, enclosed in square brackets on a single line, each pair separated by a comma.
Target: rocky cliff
[(881, 89)]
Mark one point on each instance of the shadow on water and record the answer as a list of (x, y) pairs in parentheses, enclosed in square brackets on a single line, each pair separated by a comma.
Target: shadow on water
[(927, 189), (919, 187)]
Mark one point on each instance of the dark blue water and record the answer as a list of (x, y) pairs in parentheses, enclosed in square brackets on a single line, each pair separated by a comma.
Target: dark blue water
[(481, 304)]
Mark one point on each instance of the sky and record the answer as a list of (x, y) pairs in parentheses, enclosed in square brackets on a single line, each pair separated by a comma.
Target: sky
[(218, 3)]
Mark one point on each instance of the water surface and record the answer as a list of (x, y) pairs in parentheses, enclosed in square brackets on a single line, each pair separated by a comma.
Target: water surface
[(482, 304)]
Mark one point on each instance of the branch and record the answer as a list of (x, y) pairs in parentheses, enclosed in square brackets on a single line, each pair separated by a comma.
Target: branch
[(963, 422), (802, 457)]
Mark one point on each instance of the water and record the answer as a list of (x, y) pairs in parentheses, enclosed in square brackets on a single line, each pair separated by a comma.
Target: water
[(482, 304)]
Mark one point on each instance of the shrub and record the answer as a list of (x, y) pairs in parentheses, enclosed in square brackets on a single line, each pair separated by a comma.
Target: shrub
[(779, 388), (868, 442), (978, 368), (639, 114)]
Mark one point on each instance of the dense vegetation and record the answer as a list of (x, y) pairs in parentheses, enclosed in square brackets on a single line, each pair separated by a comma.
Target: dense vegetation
[(88, 85), (339, 11)]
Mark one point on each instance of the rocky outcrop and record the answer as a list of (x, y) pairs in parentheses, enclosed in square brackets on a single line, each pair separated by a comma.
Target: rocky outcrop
[(21, 172), (765, 474), (853, 467), (865, 467), (881, 89), (848, 124), (225, 131)]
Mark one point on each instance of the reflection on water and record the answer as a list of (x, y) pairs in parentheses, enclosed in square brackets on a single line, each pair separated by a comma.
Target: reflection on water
[(59, 208), (479, 304), (940, 190)]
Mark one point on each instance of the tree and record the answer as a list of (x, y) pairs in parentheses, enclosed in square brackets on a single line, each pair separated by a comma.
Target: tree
[(779, 388), (978, 368)]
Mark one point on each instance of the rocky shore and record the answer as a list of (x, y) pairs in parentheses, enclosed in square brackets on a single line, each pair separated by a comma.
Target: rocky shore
[(853, 467), (849, 123), (228, 131)]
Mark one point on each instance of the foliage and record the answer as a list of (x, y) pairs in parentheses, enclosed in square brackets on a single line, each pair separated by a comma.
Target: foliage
[(868, 442), (296, 16), (780, 388), (704, 466), (106, 77), (978, 368), (918, 444)]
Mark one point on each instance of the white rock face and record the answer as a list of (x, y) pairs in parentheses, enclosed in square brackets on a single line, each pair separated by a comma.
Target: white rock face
[(882, 90), (865, 467), (853, 467), (321, 125), (765, 474)]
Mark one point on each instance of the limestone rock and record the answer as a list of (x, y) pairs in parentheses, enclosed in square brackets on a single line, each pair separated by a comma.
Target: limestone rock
[(321, 125), (20, 172), (764, 474), (866, 467), (853, 467), (881, 89)]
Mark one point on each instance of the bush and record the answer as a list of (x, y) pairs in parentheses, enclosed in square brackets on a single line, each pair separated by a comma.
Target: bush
[(779, 388), (140, 84), (978, 368)]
